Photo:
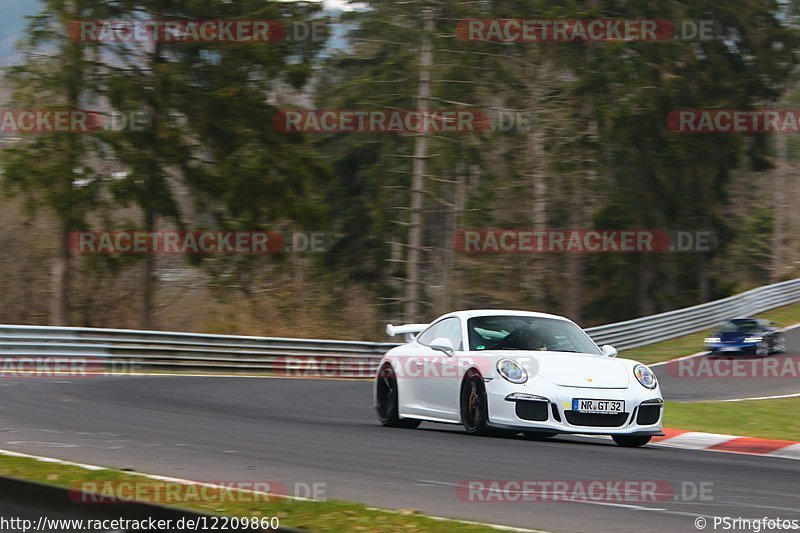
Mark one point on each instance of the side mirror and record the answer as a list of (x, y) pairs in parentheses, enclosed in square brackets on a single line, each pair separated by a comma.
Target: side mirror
[(443, 344), (609, 351)]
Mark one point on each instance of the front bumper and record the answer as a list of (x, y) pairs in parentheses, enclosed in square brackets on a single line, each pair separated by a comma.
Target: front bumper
[(732, 348), (553, 413)]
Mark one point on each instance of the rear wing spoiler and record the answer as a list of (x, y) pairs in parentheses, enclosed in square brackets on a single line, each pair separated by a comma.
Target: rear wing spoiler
[(409, 330)]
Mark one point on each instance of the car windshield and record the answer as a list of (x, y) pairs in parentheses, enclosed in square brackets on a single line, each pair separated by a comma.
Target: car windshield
[(741, 326), (528, 333)]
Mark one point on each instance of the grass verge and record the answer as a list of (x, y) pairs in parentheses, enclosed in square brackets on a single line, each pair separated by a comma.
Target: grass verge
[(768, 419), (317, 516), (690, 344)]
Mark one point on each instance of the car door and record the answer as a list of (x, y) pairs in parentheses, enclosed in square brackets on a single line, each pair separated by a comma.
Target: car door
[(439, 385)]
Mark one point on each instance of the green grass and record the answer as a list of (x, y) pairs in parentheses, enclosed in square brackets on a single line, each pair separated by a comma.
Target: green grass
[(769, 419), (308, 515), (690, 344)]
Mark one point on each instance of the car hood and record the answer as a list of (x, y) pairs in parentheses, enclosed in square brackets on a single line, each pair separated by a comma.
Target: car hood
[(735, 336), (573, 370)]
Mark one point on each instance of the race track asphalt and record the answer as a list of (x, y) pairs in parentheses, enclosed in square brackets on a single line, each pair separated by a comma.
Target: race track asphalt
[(325, 431)]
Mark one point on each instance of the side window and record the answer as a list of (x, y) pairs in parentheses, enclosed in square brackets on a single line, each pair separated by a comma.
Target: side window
[(427, 336), (449, 328)]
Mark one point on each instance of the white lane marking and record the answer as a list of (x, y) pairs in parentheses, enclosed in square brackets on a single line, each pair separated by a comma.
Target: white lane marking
[(45, 444), (9, 453), (778, 397), (772, 507), (698, 354)]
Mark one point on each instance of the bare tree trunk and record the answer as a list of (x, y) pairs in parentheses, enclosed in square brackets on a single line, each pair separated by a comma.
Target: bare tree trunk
[(59, 312), (61, 282), (535, 141), (779, 212), (413, 292), (148, 280)]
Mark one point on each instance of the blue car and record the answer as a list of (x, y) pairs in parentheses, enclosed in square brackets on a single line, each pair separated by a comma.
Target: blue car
[(750, 336)]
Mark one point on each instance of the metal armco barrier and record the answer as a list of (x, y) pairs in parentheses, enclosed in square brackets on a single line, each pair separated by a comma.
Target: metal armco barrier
[(126, 351), (664, 326)]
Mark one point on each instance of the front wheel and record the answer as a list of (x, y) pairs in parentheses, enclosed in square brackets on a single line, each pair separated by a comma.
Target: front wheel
[(474, 409), (386, 402), (631, 441)]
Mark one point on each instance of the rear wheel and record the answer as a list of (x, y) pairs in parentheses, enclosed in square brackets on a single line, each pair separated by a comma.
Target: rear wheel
[(386, 402), (474, 409), (631, 441), (762, 348), (778, 343)]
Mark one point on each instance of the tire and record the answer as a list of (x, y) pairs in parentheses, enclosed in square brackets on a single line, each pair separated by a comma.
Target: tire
[(474, 413), (386, 402), (778, 343), (763, 348), (631, 441), (538, 435)]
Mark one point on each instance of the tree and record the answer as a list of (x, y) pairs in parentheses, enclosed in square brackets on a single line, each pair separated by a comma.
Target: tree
[(58, 73)]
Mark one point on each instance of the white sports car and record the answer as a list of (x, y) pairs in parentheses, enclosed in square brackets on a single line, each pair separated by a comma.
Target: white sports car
[(515, 371)]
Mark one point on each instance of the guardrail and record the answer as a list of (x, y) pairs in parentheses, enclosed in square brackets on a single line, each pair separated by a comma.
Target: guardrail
[(664, 326), (130, 351)]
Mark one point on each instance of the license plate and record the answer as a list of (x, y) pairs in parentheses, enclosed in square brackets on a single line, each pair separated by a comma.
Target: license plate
[(605, 407)]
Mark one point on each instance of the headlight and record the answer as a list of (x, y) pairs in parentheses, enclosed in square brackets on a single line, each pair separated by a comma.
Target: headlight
[(711, 340), (754, 339), (645, 376), (512, 371)]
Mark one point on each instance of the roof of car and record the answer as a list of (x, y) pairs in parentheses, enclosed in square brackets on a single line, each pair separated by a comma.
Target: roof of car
[(469, 313)]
